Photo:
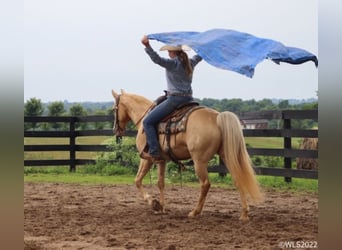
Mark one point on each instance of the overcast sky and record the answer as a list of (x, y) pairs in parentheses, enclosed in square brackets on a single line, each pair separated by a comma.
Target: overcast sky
[(78, 50)]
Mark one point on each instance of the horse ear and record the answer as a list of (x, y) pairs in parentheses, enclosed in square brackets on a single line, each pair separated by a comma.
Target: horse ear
[(123, 91), (114, 94)]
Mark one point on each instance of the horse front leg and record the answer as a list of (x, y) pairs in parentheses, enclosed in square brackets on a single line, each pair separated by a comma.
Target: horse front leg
[(159, 206), (144, 167)]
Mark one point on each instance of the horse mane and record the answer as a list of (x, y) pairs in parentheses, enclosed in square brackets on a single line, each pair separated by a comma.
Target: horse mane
[(140, 99), (137, 104)]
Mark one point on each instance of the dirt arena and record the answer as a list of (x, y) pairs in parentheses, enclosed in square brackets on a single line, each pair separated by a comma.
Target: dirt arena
[(70, 216)]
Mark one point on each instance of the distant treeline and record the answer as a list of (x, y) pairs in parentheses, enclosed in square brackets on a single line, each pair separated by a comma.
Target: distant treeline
[(238, 105), (234, 105), (35, 107)]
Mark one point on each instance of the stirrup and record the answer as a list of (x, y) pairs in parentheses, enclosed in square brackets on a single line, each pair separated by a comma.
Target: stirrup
[(147, 156), (157, 159)]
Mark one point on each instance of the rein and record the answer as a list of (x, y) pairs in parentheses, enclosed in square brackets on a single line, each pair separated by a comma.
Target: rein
[(144, 114), (117, 129)]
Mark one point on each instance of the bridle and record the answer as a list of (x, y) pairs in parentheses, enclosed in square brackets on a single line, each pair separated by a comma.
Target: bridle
[(118, 131)]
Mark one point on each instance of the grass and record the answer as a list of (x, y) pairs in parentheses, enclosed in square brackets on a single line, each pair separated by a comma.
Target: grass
[(297, 185), (270, 142), (62, 175), (58, 141), (275, 183), (59, 155)]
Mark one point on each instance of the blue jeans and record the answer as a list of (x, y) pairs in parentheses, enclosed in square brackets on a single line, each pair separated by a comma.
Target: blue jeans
[(152, 119)]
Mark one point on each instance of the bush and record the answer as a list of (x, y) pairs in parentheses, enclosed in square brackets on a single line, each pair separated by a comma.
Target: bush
[(267, 161), (123, 159), (124, 154)]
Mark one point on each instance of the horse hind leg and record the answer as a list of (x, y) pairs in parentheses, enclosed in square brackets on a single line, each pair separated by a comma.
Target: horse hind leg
[(245, 207), (243, 198), (202, 173)]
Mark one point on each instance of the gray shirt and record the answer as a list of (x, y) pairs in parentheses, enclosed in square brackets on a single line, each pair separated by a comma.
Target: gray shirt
[(178, 81)]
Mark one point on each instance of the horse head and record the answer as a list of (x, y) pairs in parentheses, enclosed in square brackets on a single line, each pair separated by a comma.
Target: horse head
[(121, 117)]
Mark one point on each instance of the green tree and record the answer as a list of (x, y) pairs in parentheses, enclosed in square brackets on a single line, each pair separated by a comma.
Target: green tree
[(56, 109), (33, 107), (78, 110), (100, 125), (284, 104), (313, 105), (265, 104)]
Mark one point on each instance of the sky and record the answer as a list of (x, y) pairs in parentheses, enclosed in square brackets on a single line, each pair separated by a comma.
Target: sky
[(79, 50)]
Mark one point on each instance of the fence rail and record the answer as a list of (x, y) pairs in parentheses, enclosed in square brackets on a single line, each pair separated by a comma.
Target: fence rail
[(286, 132)]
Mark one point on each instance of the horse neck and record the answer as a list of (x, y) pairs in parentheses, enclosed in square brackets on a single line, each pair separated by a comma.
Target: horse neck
[(136, 108)]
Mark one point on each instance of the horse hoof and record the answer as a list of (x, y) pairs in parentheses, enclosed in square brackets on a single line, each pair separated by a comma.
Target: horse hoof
[(148, 199), (156, 206), (244, 218), (193, 214)]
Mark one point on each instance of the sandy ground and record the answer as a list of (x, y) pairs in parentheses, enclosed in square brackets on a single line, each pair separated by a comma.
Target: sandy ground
[(70, 216)]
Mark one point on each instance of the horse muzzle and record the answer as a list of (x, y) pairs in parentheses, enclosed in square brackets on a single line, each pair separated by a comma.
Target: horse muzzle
[(118, 131)]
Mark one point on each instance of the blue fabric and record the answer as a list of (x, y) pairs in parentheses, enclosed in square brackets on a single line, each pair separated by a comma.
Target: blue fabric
[(233, 50)]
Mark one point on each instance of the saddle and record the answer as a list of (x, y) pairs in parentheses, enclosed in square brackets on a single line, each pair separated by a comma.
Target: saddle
[(174, 123), (177, 120)]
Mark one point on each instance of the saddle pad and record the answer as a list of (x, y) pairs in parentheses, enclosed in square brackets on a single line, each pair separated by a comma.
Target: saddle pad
[(177, 121)]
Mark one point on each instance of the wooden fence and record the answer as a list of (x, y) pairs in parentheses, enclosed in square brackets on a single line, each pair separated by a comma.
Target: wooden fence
[(286, 132)]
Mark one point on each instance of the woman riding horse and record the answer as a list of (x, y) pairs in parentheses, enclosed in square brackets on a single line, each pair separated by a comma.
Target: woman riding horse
[(179, 70)]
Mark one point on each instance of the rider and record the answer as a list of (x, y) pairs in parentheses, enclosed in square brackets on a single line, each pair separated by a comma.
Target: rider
[(179, 69)]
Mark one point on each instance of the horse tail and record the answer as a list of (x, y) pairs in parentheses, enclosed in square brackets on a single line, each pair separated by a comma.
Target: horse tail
[(235, 156)]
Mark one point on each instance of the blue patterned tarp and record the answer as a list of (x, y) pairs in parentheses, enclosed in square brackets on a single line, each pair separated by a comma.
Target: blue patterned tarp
[(236, 51)]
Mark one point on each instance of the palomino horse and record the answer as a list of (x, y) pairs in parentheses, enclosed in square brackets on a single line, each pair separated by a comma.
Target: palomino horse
[(208, 133)]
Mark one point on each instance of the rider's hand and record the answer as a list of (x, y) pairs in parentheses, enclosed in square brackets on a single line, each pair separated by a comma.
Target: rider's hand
[(145, 41)]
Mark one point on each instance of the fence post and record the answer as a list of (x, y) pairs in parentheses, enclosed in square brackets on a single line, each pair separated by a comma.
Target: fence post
[(287, 145), (72, 145)]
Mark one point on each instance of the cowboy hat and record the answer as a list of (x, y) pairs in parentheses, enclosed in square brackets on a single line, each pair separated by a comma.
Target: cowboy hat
[(175, 48), (171, 48)]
